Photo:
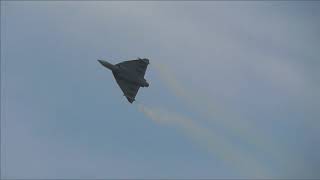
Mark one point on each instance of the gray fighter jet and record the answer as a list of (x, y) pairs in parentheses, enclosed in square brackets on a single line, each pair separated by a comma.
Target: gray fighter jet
[(129, 76)]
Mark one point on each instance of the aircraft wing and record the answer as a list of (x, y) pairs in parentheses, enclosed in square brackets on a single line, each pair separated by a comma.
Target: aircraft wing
[(139, 66), (130, 90)]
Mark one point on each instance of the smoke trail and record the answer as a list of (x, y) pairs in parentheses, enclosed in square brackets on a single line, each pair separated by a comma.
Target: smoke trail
[(241, 129), (210, 110), (221, 149)]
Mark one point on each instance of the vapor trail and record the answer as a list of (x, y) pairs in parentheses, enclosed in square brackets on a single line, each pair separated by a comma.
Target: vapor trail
[(196, 101), (241, 129), (221, 149)]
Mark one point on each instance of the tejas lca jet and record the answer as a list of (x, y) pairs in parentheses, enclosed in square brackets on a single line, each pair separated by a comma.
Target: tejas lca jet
[(129, 76)]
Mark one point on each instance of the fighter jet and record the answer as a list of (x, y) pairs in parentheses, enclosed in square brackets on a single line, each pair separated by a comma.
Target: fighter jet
[(129, 75)]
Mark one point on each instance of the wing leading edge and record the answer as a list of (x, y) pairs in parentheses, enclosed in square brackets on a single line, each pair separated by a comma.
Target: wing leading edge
[(139, 66)]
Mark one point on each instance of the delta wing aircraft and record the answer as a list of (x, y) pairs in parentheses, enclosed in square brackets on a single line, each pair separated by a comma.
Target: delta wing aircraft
[(129, 75)]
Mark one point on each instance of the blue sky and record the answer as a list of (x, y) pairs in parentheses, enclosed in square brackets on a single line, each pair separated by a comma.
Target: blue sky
[(237, 95)]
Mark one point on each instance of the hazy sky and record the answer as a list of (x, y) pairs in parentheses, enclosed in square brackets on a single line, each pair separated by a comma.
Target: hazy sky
[(235, 93)]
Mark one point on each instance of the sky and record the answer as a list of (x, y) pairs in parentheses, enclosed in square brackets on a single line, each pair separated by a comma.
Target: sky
[(234, 90)]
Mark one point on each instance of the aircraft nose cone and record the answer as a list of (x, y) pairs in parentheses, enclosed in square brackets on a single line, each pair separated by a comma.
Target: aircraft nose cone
[(107, 65), (102, 62)]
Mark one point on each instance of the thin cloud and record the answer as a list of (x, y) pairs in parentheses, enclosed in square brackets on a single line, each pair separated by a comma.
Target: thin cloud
[(216, 145), (237, 128)]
